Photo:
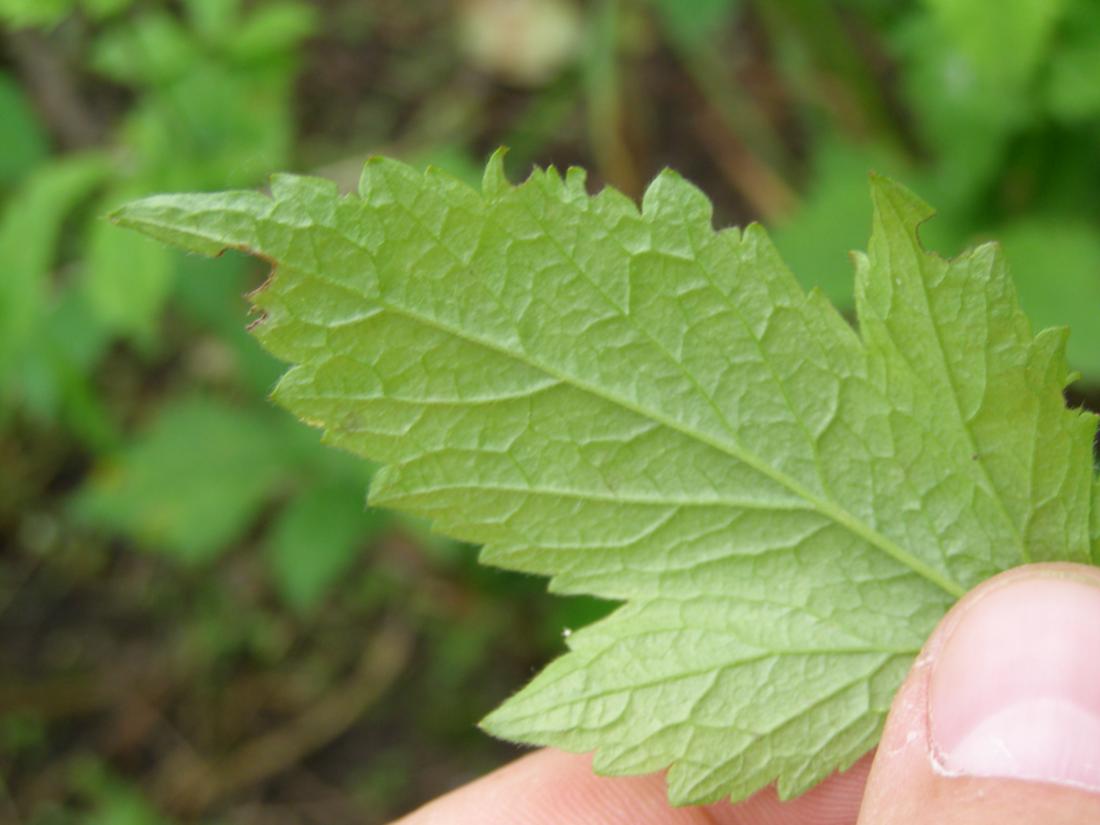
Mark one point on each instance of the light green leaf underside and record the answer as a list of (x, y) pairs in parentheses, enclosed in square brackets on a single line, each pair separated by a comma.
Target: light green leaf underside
[(647, 410)]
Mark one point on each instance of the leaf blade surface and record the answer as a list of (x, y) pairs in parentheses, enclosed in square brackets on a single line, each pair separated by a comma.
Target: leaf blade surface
[(647, 410)]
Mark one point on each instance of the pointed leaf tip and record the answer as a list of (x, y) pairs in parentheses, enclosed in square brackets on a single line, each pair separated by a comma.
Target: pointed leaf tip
[(890, 197), (671, 194), (495, 182), (162, 217)]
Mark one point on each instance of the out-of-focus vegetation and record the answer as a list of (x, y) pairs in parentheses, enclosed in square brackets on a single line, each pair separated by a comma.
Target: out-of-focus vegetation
[(199, 620)]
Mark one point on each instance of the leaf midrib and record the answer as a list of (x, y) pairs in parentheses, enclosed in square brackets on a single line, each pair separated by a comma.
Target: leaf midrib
[(733, 450), (949, 379), (826, 508)]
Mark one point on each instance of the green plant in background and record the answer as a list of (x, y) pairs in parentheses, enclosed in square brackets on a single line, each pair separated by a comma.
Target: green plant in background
[(652, 412), (1006, 132), (213, 104), (215, 98), (113, 801), (52, 12)]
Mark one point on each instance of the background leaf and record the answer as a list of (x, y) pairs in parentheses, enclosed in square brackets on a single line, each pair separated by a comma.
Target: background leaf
[(126, 280), (1004, 39), (1056, 265), (777, 110), (192, 483), (29, 230), (20, 134), (316, 539)]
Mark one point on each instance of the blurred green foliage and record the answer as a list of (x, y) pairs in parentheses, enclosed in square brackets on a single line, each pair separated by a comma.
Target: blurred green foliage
[(153, 500), (996, 142)]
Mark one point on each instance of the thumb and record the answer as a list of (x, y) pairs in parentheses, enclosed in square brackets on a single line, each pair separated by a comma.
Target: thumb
[(999, 719)]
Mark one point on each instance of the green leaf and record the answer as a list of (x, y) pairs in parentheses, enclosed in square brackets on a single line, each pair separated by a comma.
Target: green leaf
[(650, 411), (213, 20), (30, 227), (272, 31), (1057, 266), (153, 49), (1005, 39), (214, 124), (103, 9), (965, 118), (1072, 91), (54, 379), (314, 541), (112, 800), (126, 279), (21, 135), (190, 483), (35, 12)]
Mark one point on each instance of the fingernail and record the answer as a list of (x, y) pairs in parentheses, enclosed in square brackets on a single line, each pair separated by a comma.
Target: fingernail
[(1015, 689)]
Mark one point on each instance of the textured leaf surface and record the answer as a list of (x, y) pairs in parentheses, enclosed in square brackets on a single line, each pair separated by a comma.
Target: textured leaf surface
[(650, 411)]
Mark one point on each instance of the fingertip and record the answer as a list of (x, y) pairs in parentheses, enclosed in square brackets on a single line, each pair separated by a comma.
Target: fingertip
[(550, 787), (997, 720), (835, 801)]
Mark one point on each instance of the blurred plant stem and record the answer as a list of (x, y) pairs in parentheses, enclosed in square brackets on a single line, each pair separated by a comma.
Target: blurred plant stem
[(190, 784), (54, 90), (540, 122), (826, 67), (747, 149), (608, 119)]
